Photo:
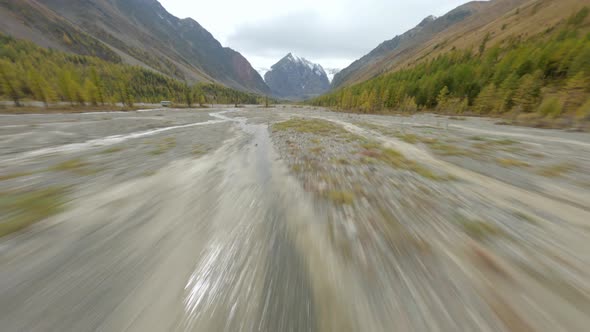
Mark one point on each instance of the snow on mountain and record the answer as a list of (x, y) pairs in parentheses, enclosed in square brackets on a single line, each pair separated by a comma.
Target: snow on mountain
[(330, 72), (295, 77), (262, 71)]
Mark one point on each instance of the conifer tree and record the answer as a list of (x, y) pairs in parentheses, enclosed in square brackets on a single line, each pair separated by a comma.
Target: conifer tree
[(11, 83)]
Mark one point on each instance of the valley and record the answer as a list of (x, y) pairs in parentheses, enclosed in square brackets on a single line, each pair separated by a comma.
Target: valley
[(291, 219), (170, 165)]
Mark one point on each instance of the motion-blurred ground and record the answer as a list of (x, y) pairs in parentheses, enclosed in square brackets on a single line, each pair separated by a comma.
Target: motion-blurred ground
[(291, 219)]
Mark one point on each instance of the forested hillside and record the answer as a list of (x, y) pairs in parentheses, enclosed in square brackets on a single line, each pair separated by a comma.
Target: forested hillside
[(136, 32), (547, 74), (29, 71)]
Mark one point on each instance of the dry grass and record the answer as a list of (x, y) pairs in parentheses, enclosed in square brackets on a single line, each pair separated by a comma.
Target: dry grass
[(53, 109), (114, 149), (557, 170), (526, 217), (312, 126), (409, 138), (381, 129), (15, 175), (340, 197), (21, 209), (479, 230), (316, 149), (77, 166), (509, 162), (444, 149), (164, 146), (198, 150), (397, 160)]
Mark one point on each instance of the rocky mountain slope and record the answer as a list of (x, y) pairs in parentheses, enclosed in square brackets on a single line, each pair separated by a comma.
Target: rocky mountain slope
[(385, 57), (138, 32), (295, 77)]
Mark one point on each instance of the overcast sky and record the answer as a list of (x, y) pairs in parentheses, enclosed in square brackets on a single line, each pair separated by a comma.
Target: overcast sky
[(332, 33)]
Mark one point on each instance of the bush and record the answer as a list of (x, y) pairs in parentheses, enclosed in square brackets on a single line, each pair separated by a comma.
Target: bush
[(551, 107), (579, 17), (583, 113)]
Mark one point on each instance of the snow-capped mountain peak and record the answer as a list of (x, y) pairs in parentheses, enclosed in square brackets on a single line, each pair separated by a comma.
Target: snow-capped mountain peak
[(331, 72), (296, 77)]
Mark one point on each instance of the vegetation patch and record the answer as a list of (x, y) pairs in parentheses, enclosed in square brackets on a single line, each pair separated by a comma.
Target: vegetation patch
[(526, 217), (21, 209), (409, 138), (199, 150), (15, 175), (381, 129), (312, 126), (479, 230), (340, 197), (444, 149), (557, 170), (509, 162), (397, 160), (114, 149), (77, 166), (164, 146)]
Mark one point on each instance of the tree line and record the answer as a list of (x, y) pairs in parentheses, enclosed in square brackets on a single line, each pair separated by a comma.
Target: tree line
[(28, 71), (548, 74)]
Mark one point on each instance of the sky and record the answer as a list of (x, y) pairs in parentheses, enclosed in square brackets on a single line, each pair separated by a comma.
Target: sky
[(332, 33)]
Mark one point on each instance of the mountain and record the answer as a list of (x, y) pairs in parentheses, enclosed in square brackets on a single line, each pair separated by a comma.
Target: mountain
[(295, 77), (529, 63), (262, 70), (463, 19), (138, 32), (331, 72)]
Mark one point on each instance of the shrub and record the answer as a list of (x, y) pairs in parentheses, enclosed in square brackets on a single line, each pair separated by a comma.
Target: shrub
[(551, 107)]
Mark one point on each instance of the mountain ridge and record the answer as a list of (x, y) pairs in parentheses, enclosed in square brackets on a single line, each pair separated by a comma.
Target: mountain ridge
[(388, 54), (295, 77), (138, 32)]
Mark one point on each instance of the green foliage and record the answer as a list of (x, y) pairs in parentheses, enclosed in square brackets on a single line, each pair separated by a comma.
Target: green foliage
[(513, 75), (551, 107), (11, 81), (29, 71), (579, 17)]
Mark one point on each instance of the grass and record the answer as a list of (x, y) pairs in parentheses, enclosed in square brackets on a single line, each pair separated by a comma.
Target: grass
[(409, 138), (397, 160), (114, 149), (198, 150), (341, 161), (340, 197), (447, 149), (164, 146), (77, 166), (312, 126), (66, 109), (316, 149), (371, 145), (15, 175), (556, 170), (21, 209), (526, 217), (479, 230), (488, 143), (149, 173), (509, 162)]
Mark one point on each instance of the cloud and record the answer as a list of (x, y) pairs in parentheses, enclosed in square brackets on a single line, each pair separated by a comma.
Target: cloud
[(333, 31), (304, 32)]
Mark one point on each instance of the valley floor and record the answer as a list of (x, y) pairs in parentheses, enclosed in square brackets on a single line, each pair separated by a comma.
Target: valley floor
[(291, 219)]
